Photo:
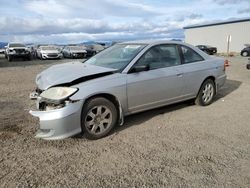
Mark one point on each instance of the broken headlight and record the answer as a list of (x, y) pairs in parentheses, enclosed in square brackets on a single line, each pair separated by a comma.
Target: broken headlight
[(58, 93)]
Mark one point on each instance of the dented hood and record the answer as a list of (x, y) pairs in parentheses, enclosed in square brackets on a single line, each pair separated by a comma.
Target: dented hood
[(68, 73)]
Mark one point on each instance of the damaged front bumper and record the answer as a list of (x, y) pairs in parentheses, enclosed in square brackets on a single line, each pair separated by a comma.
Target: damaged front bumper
[(59, 123)]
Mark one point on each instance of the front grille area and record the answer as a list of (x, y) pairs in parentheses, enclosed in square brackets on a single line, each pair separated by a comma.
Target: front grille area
[(79, 54), (53, 55), (19, 51)]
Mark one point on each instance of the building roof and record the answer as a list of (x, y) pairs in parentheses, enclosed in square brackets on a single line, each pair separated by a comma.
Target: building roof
[(217, 23)]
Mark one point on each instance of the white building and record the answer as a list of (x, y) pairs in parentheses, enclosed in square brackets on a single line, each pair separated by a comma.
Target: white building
[(223, 35)]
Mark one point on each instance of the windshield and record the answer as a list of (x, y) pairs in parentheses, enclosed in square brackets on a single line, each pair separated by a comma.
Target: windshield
[(117, 56), (16, 45), (75, 48), (48, 48)]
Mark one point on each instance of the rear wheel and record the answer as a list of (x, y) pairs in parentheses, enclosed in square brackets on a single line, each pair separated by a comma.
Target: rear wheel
[(245, 54), (99, 116), (206, 93)]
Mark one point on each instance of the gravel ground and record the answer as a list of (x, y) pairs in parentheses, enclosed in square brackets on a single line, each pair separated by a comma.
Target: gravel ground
[(180, 145)]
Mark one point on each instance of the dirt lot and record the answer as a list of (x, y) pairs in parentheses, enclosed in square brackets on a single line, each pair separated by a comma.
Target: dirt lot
[(181, 145)]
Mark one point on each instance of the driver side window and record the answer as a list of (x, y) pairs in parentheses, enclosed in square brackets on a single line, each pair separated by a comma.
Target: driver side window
[(160, 56)]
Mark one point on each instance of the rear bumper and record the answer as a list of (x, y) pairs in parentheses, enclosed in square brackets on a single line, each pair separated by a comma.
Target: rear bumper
[(220, 81), (60, 123)]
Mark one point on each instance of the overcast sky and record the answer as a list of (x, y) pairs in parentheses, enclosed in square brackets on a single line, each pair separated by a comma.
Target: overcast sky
[(74, 21)]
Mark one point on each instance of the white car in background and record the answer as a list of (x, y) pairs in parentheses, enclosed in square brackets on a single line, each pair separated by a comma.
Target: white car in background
[(17, 50), (49, 52)]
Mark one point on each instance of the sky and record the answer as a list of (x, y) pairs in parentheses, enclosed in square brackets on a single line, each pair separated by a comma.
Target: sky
[(75, 21)]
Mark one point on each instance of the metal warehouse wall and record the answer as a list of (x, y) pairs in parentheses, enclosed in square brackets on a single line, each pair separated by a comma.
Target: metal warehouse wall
[(217, 36)]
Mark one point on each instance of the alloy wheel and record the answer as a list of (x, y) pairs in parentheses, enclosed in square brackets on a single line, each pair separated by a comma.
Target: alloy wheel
[(245, 54), (208, 93), (98, 119)]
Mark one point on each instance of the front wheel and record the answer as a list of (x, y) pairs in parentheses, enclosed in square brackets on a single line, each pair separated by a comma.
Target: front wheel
[(99, 116), (9, 58), (206, 93)]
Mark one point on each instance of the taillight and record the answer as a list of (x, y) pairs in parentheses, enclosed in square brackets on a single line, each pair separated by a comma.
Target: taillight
[(226, 64)]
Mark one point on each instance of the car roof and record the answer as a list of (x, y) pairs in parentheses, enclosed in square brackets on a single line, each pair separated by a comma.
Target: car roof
[(153, 42)]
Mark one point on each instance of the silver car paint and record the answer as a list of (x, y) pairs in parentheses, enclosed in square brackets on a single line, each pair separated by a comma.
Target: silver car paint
[(135, 92), (48, 78), (60, 123), (66, 51)]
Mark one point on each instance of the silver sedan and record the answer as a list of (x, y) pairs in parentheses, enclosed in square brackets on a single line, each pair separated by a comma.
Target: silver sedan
[(127, 78)]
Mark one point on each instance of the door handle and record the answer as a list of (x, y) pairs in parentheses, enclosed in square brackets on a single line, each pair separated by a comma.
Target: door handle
[(179, 75)]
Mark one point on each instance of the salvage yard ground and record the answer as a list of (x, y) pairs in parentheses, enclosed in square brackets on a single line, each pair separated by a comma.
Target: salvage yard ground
[(180, 145)]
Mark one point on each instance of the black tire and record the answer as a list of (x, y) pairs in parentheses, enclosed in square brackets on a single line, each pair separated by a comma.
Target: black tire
[(206, 94), (248, 66), (95, 124), (29, 58), (9, 58)]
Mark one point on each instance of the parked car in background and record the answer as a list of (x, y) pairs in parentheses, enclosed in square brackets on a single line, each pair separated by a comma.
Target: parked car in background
[(245, 52), (17, 50), (32, 50), (208, 49), (74, 52), (2, 50), (48, 52), (93, 49), (121, 80)]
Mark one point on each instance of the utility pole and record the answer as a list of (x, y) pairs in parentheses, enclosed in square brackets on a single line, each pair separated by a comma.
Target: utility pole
[(229, 38)]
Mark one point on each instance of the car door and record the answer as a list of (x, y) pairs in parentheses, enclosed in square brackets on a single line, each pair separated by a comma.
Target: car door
[(161, 84)]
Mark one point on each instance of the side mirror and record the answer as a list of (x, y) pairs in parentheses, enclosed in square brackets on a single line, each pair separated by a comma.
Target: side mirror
[(139, 68)]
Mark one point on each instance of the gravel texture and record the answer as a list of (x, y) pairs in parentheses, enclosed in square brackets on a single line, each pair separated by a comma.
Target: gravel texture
[(181, 145)]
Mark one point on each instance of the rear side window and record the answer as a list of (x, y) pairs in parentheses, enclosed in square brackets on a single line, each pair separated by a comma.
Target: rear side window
[(190, 55)]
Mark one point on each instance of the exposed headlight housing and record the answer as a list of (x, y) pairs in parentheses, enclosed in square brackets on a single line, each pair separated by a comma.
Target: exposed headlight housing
[(58, 93)]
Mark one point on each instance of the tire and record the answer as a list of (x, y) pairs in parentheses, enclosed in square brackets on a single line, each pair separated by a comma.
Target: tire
[(245, 54), (248, 66), (29, 58), (206, 93), (9, 58), (99, 116)]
